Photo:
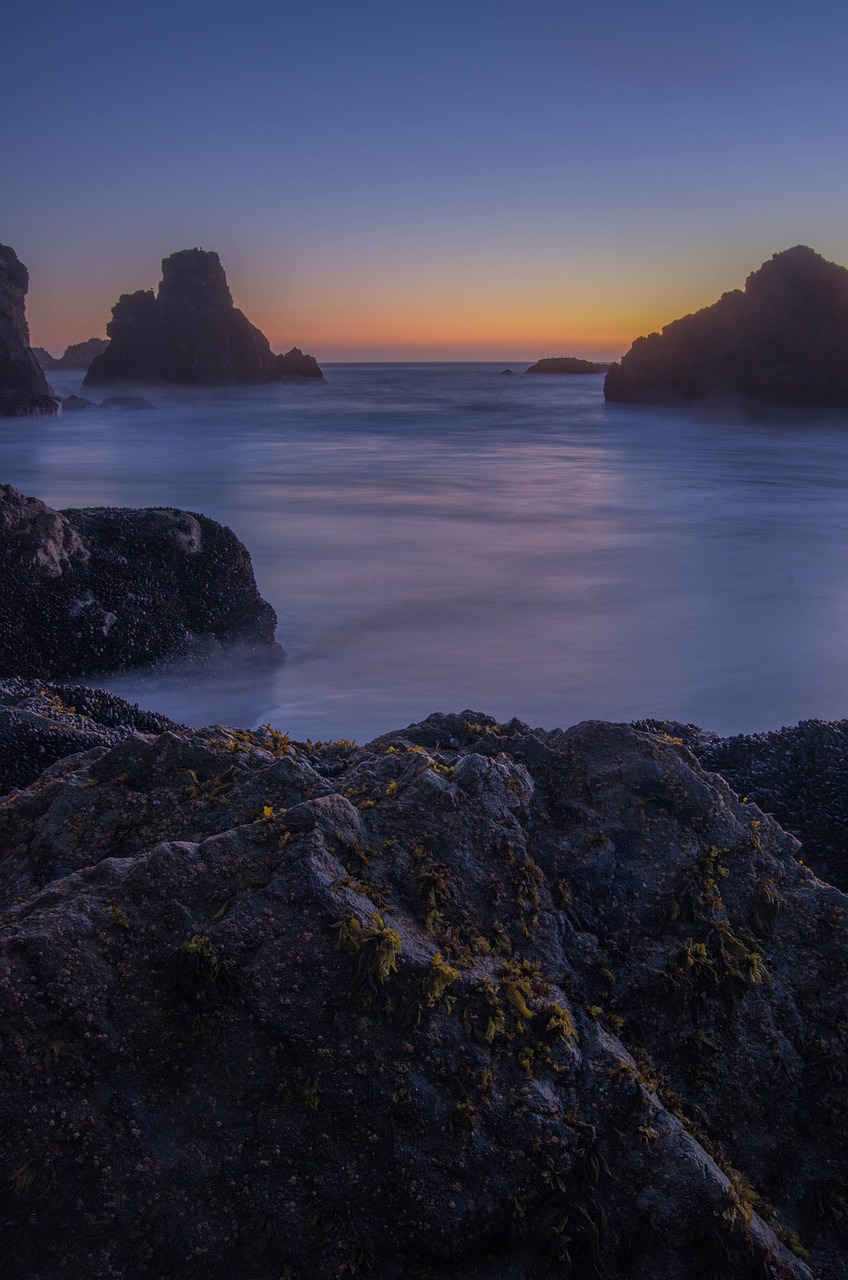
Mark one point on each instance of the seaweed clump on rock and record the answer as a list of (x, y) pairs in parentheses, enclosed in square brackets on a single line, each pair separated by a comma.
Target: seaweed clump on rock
[(191, 333), (472, 1000), (784, 341), (105, 588), (23, 388)]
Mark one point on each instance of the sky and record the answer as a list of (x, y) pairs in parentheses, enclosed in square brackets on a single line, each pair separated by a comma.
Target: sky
[(394, 180)]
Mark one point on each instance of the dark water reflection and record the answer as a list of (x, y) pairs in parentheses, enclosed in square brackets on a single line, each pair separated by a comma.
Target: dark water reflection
[(437, 537)]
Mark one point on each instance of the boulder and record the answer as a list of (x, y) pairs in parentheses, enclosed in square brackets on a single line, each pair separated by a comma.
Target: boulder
[(102, 589), (566, 364), (279, 1009), (23, 387), (190, 333), (783, 341)]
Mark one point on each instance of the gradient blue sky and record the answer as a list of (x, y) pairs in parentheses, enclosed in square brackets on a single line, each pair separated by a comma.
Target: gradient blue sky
[(398, 180)]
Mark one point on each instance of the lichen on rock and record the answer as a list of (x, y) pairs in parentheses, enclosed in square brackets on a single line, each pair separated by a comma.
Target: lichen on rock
[(276, 1008)]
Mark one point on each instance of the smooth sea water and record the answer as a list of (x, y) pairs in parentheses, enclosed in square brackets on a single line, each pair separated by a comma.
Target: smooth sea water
[(439, 537)]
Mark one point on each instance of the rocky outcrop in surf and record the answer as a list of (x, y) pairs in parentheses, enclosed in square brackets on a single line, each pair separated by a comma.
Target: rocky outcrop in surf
[(474, 999), (191, 333), (783, 341), (23, 387), (102, 589)]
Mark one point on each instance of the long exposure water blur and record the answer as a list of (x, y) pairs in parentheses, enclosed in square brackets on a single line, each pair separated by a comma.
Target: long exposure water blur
[(440, 537)]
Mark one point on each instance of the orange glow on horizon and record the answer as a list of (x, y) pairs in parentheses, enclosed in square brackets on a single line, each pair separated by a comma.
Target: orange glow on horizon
[(375, 316)]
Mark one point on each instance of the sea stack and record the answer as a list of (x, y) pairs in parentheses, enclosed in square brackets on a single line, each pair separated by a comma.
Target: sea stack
[(23, 387), (190, 333), (783, 340)]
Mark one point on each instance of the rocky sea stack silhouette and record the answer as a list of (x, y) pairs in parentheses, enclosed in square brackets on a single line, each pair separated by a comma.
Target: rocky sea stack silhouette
[(78, 355), (567, 365), (782, 341), (475, 1000), (23, 387), (101, 589), (190, 333)]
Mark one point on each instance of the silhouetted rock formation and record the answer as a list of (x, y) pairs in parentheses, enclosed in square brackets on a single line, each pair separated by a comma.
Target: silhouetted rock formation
[(566, 364), (77, 356), (294, 364), (105, 588), (23, 387), (784, 340), (81, 354), (474, 1000), (44, 358), (190, 333)]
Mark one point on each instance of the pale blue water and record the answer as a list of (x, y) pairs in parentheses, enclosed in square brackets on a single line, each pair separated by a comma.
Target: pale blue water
[(435, 537)]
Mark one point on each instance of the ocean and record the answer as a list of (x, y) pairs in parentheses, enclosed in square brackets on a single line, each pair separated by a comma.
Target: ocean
[(437, 537)]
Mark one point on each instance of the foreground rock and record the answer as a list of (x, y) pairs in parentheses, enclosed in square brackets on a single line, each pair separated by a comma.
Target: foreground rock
[(472, 1001), (784, 340), (101, 589), (566, 364), (23, 387), (190, 333)]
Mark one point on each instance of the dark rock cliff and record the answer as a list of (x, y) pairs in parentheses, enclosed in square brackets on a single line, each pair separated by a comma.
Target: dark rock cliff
[(472, 1001), (190, 333), (784, 340), (105, 588), (23, 387)]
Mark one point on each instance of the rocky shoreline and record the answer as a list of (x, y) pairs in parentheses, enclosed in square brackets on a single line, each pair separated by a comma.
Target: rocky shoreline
[(472, 1000)]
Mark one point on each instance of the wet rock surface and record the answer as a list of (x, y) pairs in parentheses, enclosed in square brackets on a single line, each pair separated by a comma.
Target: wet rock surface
[(474, 1000), (102, 589), (784, 341), (23, 388), (191, 333), (42, 722)]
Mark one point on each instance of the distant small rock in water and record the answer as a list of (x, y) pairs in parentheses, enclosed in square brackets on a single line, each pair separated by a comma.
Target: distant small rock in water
[(23, 388), (783, 340), (294, 364), (127, 402), (75, 404), (190, 333), (105, 588), (566, 364), (507, 373)]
